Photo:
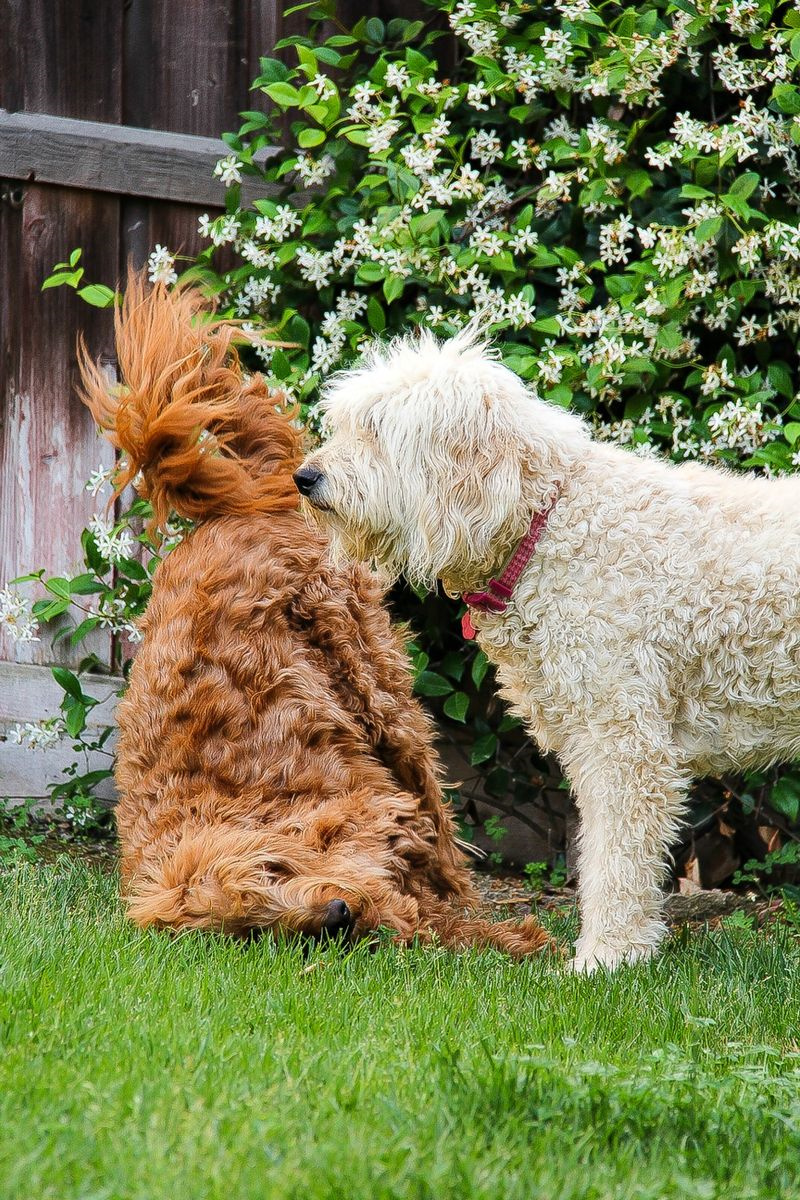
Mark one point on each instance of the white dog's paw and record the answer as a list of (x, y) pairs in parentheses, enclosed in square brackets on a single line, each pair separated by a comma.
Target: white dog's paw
[(590, 956)]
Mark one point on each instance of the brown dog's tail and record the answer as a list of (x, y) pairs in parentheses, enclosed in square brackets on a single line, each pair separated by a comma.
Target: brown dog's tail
[(206, 441)]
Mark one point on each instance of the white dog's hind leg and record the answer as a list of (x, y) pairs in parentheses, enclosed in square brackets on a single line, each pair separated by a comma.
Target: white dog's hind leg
[(630, 795)]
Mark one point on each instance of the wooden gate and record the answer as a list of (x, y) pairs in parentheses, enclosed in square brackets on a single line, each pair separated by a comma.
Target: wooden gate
[(109, 131)]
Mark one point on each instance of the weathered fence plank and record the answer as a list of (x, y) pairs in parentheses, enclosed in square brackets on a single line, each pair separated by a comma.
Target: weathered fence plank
[(48, 443), (115, 158)]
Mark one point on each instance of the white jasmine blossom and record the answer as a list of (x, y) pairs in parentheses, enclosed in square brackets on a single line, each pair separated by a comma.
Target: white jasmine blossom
[(229, 170), (16, 617), (161, 266)]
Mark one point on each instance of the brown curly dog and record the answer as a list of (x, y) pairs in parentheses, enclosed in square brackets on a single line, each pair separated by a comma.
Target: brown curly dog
[(275, 771)]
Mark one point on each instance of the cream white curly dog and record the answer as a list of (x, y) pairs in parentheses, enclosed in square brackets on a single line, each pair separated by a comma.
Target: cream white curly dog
[(654, 634)]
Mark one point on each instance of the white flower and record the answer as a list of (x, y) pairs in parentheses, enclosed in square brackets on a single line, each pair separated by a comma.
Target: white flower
[(379, 137), (324, 355), (486, 147), (38, 735), (312, 172), (323, 85), (98, 479), (16, 616), (113, 543), (476, 97), (485, 242), (739, 427), (614, 239), (397, 76), (315, 266), (223, 230), (524, 239), (715, 377), (279, 226), (161, 266), (229, 170), (437, 132)]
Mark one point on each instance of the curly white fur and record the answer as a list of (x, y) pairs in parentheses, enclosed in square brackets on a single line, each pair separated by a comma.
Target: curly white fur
[(653, 637)]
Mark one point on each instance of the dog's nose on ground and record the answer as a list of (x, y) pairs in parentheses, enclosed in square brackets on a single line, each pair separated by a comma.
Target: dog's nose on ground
[(337, 918), (305, 479)]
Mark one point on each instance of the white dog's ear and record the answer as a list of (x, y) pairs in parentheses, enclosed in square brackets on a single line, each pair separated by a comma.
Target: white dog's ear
[(471, 505)]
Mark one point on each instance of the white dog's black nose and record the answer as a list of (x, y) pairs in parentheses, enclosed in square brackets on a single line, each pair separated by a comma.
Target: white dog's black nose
[(305, 479), (337, 919)]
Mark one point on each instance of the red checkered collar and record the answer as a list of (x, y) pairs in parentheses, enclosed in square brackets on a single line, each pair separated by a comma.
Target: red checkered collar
[(498, 592)]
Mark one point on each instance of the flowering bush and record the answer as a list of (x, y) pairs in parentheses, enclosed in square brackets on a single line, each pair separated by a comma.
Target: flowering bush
[(614, 192)]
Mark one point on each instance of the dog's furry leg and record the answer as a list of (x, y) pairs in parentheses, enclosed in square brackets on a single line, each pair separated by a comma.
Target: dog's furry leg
[(631, 795)]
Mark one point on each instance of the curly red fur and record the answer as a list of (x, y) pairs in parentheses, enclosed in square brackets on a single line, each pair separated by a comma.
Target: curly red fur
[(272, 757), (206, 442)]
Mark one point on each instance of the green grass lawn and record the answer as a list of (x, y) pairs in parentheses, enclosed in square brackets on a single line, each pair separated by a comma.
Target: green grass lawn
[(135, 1065)]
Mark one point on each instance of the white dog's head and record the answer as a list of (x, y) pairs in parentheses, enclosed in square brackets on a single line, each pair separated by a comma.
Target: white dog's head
[(437, 458)]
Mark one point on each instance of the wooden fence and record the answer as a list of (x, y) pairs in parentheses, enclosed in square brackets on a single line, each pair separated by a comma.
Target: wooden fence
[(110, 116)]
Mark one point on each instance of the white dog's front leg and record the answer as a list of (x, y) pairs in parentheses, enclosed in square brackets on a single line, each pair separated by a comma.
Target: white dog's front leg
[(630, 804)]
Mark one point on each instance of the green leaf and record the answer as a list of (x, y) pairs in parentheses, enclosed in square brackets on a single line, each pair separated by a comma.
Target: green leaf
[(745, 185), (307, 59), (69, 682), (417, 63), (58, 587), (272, 70), (375, 315), (281, 367), (483, 748), (357, 136), (456, 706), (690, 191), (480, 665), (370, 272), (71, 278), (638, 183), (98, 295), (393, 288), (453, 664), (428, 683), (130, 568), (283, 94), (792, 432), (547, 325), (310, 137), (86, 585), (80, 631), (75, 718), (46, 610), (708, 229), (37, 575), (785, 798), (787, 98), (781, 379)]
